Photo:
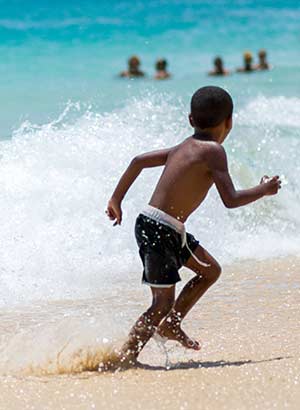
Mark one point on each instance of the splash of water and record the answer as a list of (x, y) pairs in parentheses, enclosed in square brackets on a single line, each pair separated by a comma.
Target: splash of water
[(55, 179)]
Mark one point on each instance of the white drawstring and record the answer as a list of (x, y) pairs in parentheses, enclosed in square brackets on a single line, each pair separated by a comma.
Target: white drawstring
[(184, 243)]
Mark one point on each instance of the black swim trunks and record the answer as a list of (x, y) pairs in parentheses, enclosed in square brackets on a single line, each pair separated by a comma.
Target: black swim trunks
[(164, 247)]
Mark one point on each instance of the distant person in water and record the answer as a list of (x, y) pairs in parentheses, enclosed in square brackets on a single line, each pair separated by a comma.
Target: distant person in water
[(161, 70), (219, 67), (248, 66), (133, 68), (262, 64)]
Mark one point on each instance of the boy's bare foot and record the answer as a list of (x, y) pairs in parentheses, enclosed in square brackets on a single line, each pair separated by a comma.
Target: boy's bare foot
[(173, 331)]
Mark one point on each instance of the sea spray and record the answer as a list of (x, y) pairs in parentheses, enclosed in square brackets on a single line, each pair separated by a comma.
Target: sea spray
[(59, 339)]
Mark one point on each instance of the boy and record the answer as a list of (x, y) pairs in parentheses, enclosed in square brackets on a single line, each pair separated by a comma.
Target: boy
[(190, 169)]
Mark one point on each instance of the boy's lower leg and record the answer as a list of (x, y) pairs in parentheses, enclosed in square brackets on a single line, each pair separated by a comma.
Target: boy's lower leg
[(147, 324), (190, 294), (164, 308)]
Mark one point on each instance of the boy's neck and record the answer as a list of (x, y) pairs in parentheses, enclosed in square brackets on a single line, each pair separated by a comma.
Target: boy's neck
[(212, 134)]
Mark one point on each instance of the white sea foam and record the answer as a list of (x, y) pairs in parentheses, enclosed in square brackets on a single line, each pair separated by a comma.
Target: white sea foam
[(55, 240), (274, 111)]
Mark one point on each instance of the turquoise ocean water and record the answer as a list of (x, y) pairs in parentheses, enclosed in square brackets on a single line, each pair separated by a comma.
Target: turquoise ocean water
[(69, 127), (60, 51)]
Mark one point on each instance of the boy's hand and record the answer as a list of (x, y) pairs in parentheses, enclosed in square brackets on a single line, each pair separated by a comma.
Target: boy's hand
[(272, 185), (114, 211)]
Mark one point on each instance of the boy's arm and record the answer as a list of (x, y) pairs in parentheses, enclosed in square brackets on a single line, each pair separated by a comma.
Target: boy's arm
[(230, 196), (147, 160)]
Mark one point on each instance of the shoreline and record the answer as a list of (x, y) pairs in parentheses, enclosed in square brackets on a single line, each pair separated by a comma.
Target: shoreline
[(250, 357)]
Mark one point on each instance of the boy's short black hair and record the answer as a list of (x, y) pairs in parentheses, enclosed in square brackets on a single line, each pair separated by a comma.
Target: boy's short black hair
[(210, 106)]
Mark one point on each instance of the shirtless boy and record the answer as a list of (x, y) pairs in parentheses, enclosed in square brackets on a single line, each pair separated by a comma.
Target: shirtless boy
[(190, 170)]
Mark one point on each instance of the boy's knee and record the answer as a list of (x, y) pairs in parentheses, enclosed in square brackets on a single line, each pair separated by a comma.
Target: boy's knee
[(213, 274), (216, 272)]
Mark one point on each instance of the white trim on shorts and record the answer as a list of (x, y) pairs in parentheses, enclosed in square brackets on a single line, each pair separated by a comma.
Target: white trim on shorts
[(157, 285)]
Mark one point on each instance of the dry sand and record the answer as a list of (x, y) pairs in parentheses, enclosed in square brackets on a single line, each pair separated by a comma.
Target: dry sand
[(250, 358)]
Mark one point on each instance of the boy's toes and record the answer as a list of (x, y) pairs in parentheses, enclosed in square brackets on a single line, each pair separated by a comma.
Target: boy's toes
[(177, 334), (186, 341), (192, 344)]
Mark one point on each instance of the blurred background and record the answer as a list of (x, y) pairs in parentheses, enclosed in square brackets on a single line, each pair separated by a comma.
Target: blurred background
[(60, 51)]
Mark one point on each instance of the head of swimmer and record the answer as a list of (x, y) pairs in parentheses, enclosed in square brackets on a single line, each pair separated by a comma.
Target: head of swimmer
[(211, 113), (248, 60), (262, 56), (218, 63), (134, 64), (161, 64)]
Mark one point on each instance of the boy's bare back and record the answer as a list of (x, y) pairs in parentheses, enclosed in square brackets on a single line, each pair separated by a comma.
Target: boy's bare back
[(186, 178)]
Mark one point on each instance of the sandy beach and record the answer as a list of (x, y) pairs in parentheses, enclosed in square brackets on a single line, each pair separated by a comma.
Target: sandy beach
[(249, 326)]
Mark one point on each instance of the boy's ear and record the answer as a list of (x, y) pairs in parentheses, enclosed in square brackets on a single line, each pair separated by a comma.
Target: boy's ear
[(191, 120), (228, 123)]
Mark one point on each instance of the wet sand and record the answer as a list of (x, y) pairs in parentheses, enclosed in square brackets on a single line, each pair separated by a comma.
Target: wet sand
[(249, 324)]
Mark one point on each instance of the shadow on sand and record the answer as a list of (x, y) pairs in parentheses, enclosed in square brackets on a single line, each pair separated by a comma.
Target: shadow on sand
[(180, 366), (206, 365)]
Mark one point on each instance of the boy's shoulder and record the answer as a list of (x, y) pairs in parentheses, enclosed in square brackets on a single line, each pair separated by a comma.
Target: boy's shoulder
[(216, 157), (211, 152), (207, 152), (215, 149), (210, 147)]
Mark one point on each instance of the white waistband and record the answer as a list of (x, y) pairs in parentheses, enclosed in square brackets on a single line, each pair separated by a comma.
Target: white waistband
[(162, 217)]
